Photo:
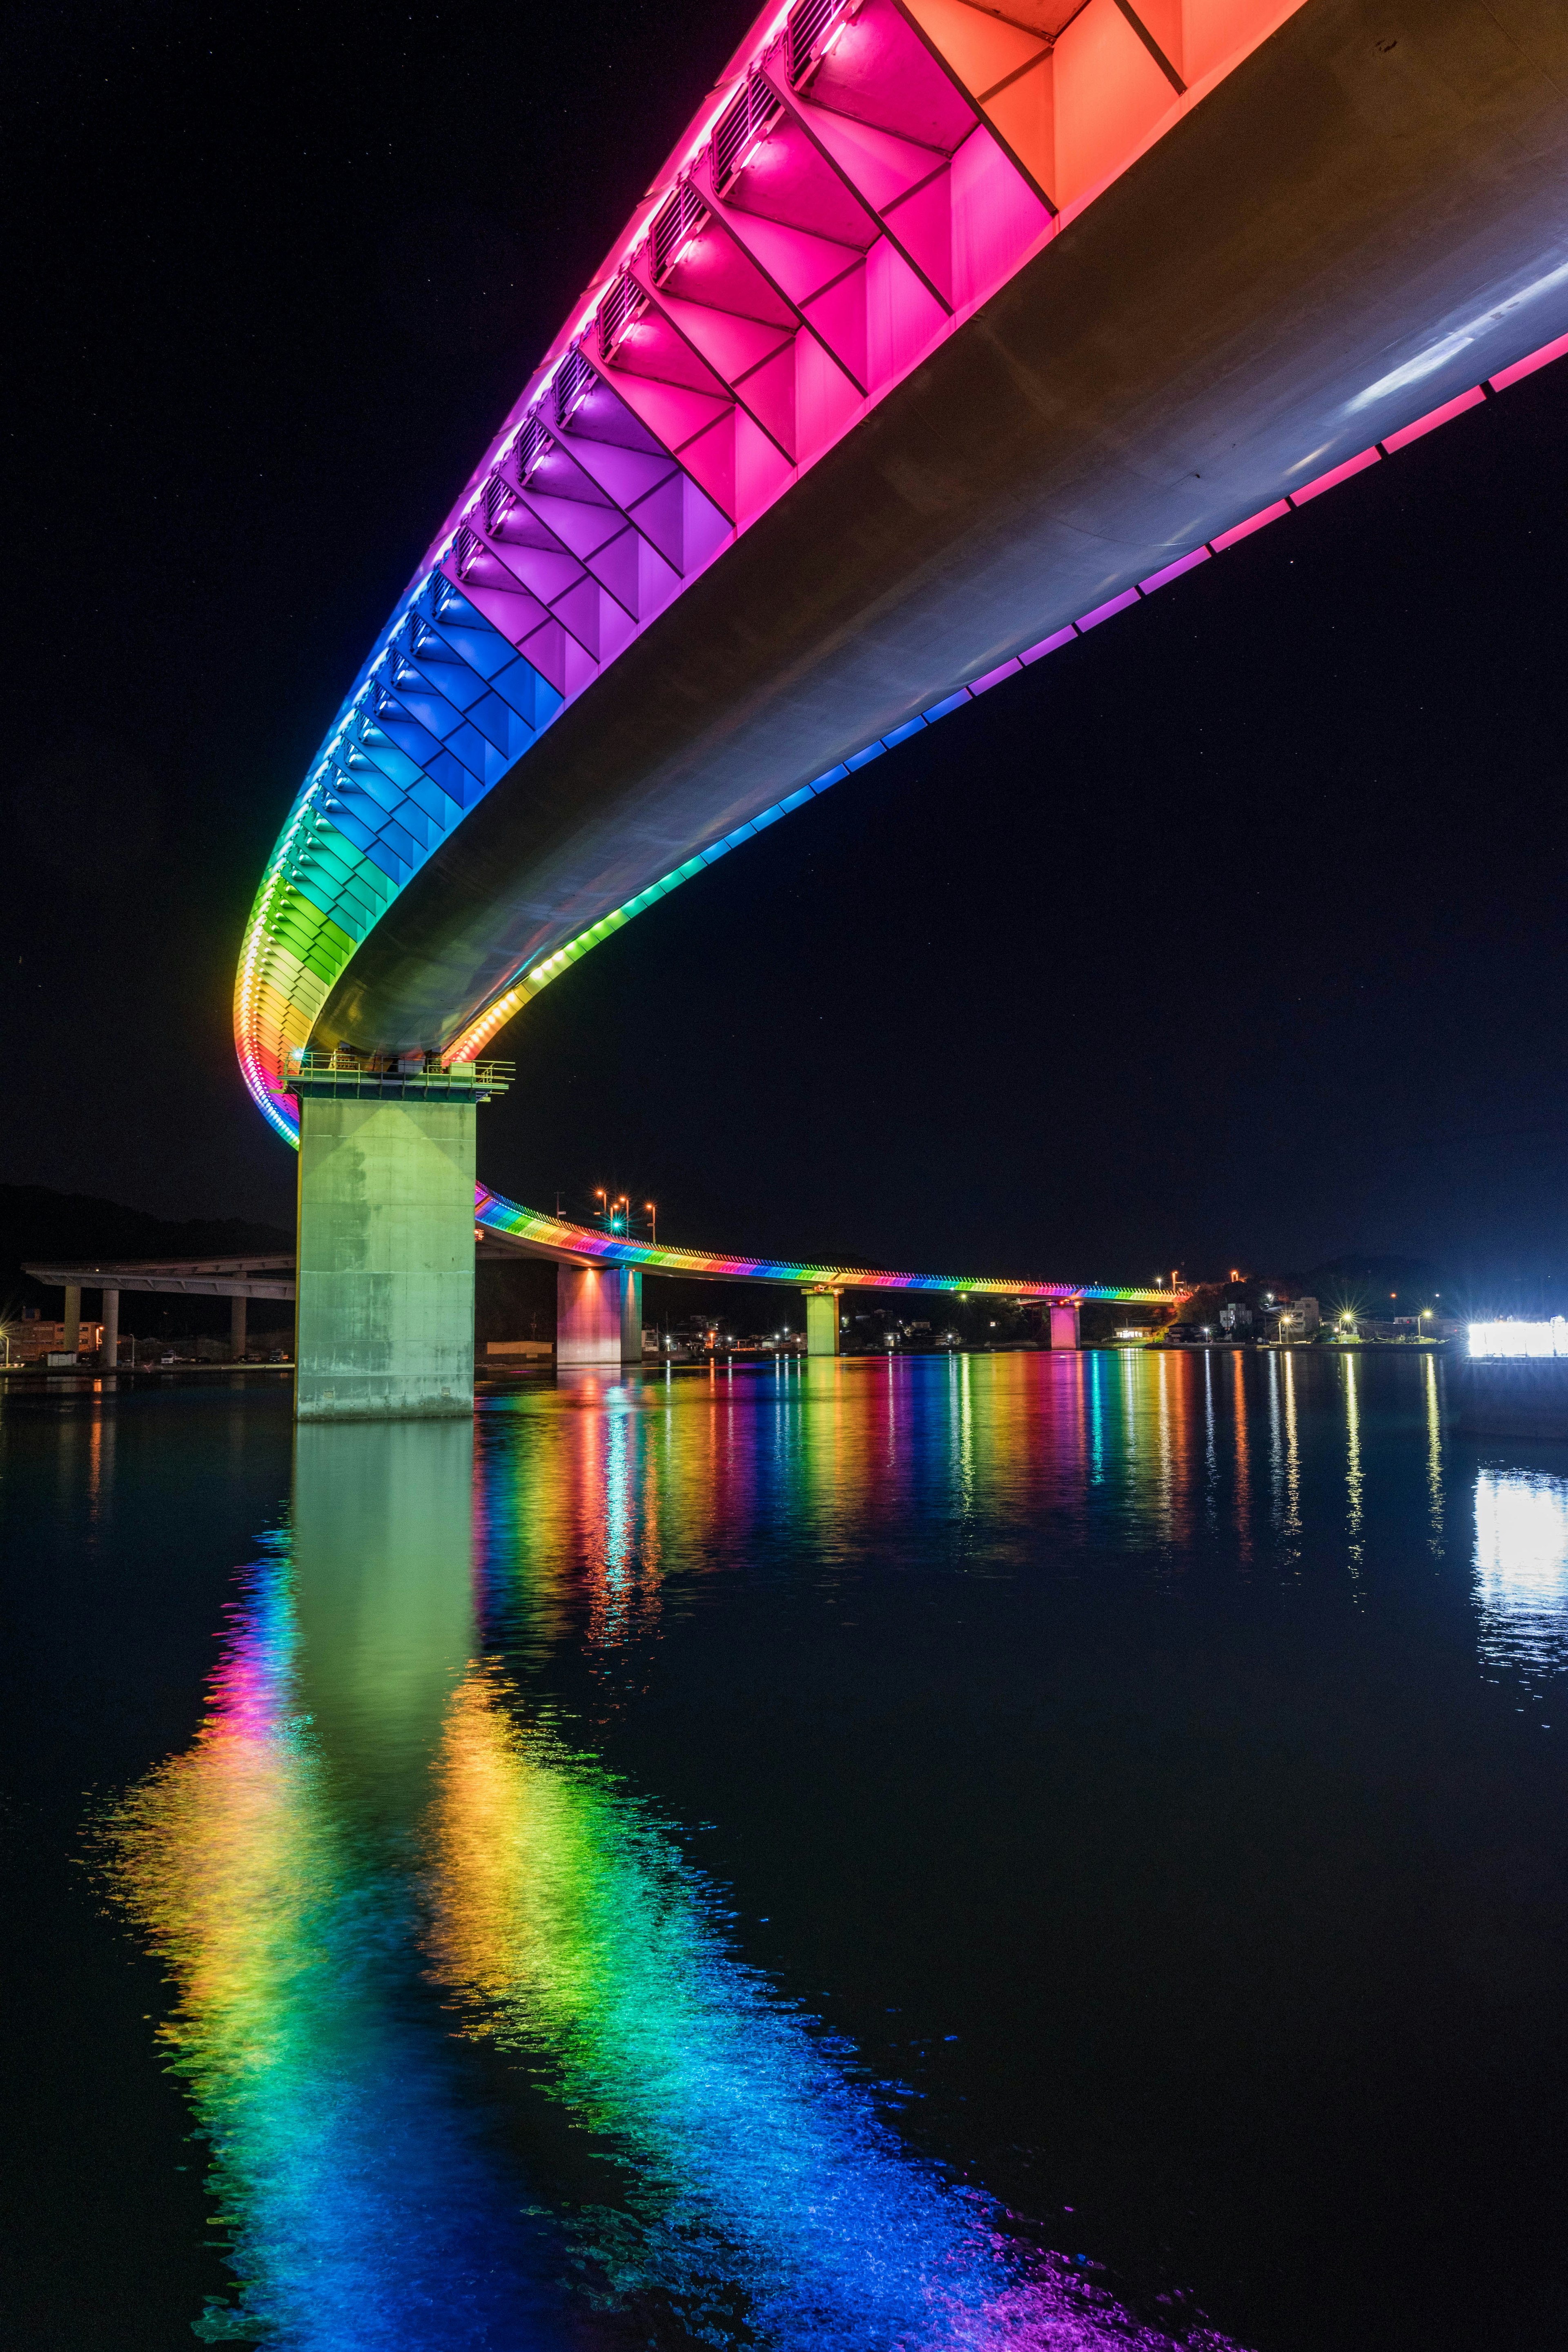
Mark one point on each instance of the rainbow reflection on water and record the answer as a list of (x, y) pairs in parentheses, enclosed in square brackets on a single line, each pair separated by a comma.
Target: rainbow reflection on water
[(409, 1915), (766, 2199)]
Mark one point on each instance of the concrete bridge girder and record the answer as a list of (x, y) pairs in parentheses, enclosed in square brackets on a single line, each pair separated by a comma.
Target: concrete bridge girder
[(1063, 1323), (822, 1322), (598, 1316)]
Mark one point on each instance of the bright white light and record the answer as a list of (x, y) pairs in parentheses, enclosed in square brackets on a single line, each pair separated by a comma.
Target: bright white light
[(1521, 1567), (1511, 1338)]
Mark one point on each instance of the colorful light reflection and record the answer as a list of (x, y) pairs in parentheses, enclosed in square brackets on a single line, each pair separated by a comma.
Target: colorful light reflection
[(375, 1839)]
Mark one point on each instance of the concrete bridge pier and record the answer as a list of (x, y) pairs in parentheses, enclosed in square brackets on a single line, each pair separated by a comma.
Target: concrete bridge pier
[(1064, 1322), (385, 1283), (822, 1322), (71, 1337), (236, 1307), (109, 1348), (598, 1315)]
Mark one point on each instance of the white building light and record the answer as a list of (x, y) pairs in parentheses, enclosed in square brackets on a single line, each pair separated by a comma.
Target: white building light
[(1511, 1338)]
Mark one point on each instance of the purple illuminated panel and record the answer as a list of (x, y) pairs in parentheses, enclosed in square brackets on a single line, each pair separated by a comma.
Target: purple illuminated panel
[(1048, 645), (1174, 571), (994, 676), (1103, 611)]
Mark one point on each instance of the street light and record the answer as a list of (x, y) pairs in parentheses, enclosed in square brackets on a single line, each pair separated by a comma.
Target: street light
[(653, 1226)]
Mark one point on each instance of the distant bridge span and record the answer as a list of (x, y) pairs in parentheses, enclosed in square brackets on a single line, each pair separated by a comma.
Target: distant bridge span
[(504, 1229), (947, 333)]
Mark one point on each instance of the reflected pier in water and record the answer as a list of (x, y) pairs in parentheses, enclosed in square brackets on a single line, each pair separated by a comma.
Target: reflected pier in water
[(274, 1866), (482, 2053)]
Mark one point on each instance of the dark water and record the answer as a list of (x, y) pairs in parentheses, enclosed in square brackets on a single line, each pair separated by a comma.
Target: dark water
[(1021, 1851)]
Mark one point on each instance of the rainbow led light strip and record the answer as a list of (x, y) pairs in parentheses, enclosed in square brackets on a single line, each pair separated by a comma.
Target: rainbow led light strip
[(496, 1214), (480, 655)]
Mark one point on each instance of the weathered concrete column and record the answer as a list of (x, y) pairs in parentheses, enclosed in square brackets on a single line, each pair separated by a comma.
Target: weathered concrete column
[(236, 1307), (1063, 1323), (71, 1338), (109, 1350), (385, 1287), (822, 1322), (598, 1315), (631, 1316)]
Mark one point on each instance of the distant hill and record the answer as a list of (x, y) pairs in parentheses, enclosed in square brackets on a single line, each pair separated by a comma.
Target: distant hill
[(1368, 1277), (38, 1223)]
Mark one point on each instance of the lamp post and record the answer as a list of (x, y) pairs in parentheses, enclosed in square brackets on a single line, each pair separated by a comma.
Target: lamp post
[(653, 1223)]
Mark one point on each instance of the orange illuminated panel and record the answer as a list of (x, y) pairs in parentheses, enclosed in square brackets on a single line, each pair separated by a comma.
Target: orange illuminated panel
[(1109, 94), (1214, 31)]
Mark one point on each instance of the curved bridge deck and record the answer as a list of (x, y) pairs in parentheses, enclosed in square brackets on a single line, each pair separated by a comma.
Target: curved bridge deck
[(508, 1228), (945, 334)]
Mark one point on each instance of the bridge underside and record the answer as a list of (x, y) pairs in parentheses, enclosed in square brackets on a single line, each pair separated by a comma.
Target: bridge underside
[(947, 333), (1358, 224)]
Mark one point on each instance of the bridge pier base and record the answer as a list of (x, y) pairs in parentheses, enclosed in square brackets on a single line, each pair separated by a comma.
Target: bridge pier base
[(822, 1322), (109, 1348), (1063, 1323), (70, 1334), (236, 1307), (385, 1287), (598, 1315)]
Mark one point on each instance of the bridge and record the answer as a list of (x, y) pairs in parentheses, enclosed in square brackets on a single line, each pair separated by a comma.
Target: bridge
[(946, 333), (599, 1318)]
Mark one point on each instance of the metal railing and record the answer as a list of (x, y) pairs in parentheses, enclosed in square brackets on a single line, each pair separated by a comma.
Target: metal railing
[(423, 1072)]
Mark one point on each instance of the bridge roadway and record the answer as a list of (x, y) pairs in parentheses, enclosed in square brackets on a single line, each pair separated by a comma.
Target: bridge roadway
[(946, 333), (599, 1284)]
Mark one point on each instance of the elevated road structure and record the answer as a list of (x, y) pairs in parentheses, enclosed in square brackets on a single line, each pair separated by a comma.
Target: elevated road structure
[(946, 333), (598, 1284), (237, 1279)]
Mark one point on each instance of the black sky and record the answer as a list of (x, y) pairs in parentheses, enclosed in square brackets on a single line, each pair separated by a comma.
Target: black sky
[(1232, 935)]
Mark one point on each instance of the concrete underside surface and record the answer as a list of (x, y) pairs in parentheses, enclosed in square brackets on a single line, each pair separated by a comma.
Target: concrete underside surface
[(1326, 248), (387, 1260), (821, 1323)]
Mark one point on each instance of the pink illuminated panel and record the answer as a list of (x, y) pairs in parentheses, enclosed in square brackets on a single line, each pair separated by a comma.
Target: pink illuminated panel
[(1434, 417)]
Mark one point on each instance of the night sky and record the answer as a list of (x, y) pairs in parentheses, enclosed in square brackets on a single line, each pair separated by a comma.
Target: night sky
[(1230, 936)]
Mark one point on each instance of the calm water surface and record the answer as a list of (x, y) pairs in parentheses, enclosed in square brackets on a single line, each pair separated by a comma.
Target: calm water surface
[(1012, 1852)]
